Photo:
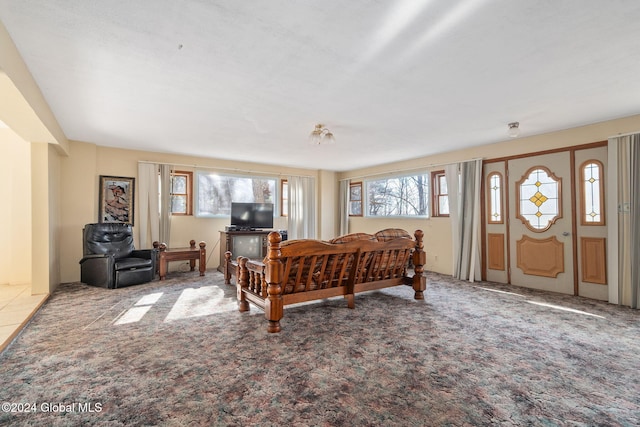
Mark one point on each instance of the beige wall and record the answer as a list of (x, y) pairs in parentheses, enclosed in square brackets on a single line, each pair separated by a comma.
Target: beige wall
[(41, 233), (35, 215), (80, 173), (30, 248), (327, 205), (15, 215), (6, 214), (437, 236), (54, 215), (78, 193)]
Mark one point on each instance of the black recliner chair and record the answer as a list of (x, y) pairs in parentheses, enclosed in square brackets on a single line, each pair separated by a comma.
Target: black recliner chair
[(110, 260)]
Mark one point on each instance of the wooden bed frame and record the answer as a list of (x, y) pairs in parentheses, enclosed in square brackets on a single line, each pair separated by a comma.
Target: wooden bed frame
[(304, 270)]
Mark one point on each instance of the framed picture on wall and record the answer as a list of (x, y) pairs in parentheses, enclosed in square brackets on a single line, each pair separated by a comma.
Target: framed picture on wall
[(116, 199)]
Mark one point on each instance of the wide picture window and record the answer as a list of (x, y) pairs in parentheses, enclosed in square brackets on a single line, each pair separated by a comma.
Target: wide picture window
[(216, 192), (398, 196)]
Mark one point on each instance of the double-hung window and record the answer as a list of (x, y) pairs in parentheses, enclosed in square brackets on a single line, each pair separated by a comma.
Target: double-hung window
[(284, 197), (181, 193), (355, 199), (440, 194)]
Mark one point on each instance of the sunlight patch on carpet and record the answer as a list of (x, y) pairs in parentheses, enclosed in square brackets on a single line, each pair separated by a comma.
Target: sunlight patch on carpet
[(558, 307), (150, 299), (133, 315), (140, 308), (500, 292), (200, 302)]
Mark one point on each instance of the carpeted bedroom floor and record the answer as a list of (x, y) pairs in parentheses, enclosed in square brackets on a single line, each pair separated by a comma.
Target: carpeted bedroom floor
[(178, 352)]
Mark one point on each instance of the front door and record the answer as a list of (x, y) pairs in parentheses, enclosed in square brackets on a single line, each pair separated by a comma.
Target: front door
[(540, 222), (545, 223)]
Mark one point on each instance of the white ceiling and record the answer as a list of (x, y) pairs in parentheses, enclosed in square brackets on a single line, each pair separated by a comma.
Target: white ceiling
[(392, 80)]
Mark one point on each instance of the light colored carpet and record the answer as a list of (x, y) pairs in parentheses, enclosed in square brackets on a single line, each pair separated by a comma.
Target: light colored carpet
[(179, 353)]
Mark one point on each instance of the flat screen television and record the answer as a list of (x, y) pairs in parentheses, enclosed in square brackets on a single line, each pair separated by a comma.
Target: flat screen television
[(250, 216)]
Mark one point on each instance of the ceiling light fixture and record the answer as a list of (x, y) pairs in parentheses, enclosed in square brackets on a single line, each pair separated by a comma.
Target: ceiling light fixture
[(321, 135), (514, 129)]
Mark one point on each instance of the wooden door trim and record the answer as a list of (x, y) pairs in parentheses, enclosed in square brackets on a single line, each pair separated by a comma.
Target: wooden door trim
[(572, 150), (550, 151), (603, 219), (507, 218), (574, 222), (483, 221), (483, 230)]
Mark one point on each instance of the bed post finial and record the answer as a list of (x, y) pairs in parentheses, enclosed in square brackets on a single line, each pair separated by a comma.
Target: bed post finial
[(227, 268), (419, 260), (274, 307), (242, 280)]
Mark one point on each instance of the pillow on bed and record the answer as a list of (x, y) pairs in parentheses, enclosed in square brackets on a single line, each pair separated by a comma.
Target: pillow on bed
[(384, 236), (390, 234), (290, 285), (353, 236), (265, 260)]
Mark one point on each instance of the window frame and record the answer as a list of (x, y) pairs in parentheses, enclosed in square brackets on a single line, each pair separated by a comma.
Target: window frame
[(519, 200), (490, 195), (436, 193), (583, 211), (352, 186), (188, 195), (284, 201)]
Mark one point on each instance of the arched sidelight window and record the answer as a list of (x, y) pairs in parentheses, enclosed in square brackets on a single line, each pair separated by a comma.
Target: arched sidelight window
[(494, 190), (539, 198), (592, 193)]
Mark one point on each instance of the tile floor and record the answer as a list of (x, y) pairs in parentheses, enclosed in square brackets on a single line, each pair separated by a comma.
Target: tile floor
[(17, 305)]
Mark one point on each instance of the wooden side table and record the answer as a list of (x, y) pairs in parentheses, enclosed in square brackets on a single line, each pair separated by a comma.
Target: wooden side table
[(191, 254)]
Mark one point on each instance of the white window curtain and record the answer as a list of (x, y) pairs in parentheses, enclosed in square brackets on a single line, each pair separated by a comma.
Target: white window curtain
[(155, 219), (463, 181), (165, 204), (149, 216), (624, 155), (344, 207), (302, 208)]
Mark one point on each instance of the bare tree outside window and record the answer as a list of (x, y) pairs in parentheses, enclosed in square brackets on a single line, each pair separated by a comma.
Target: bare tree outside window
[(217, 192), (399, 196)]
